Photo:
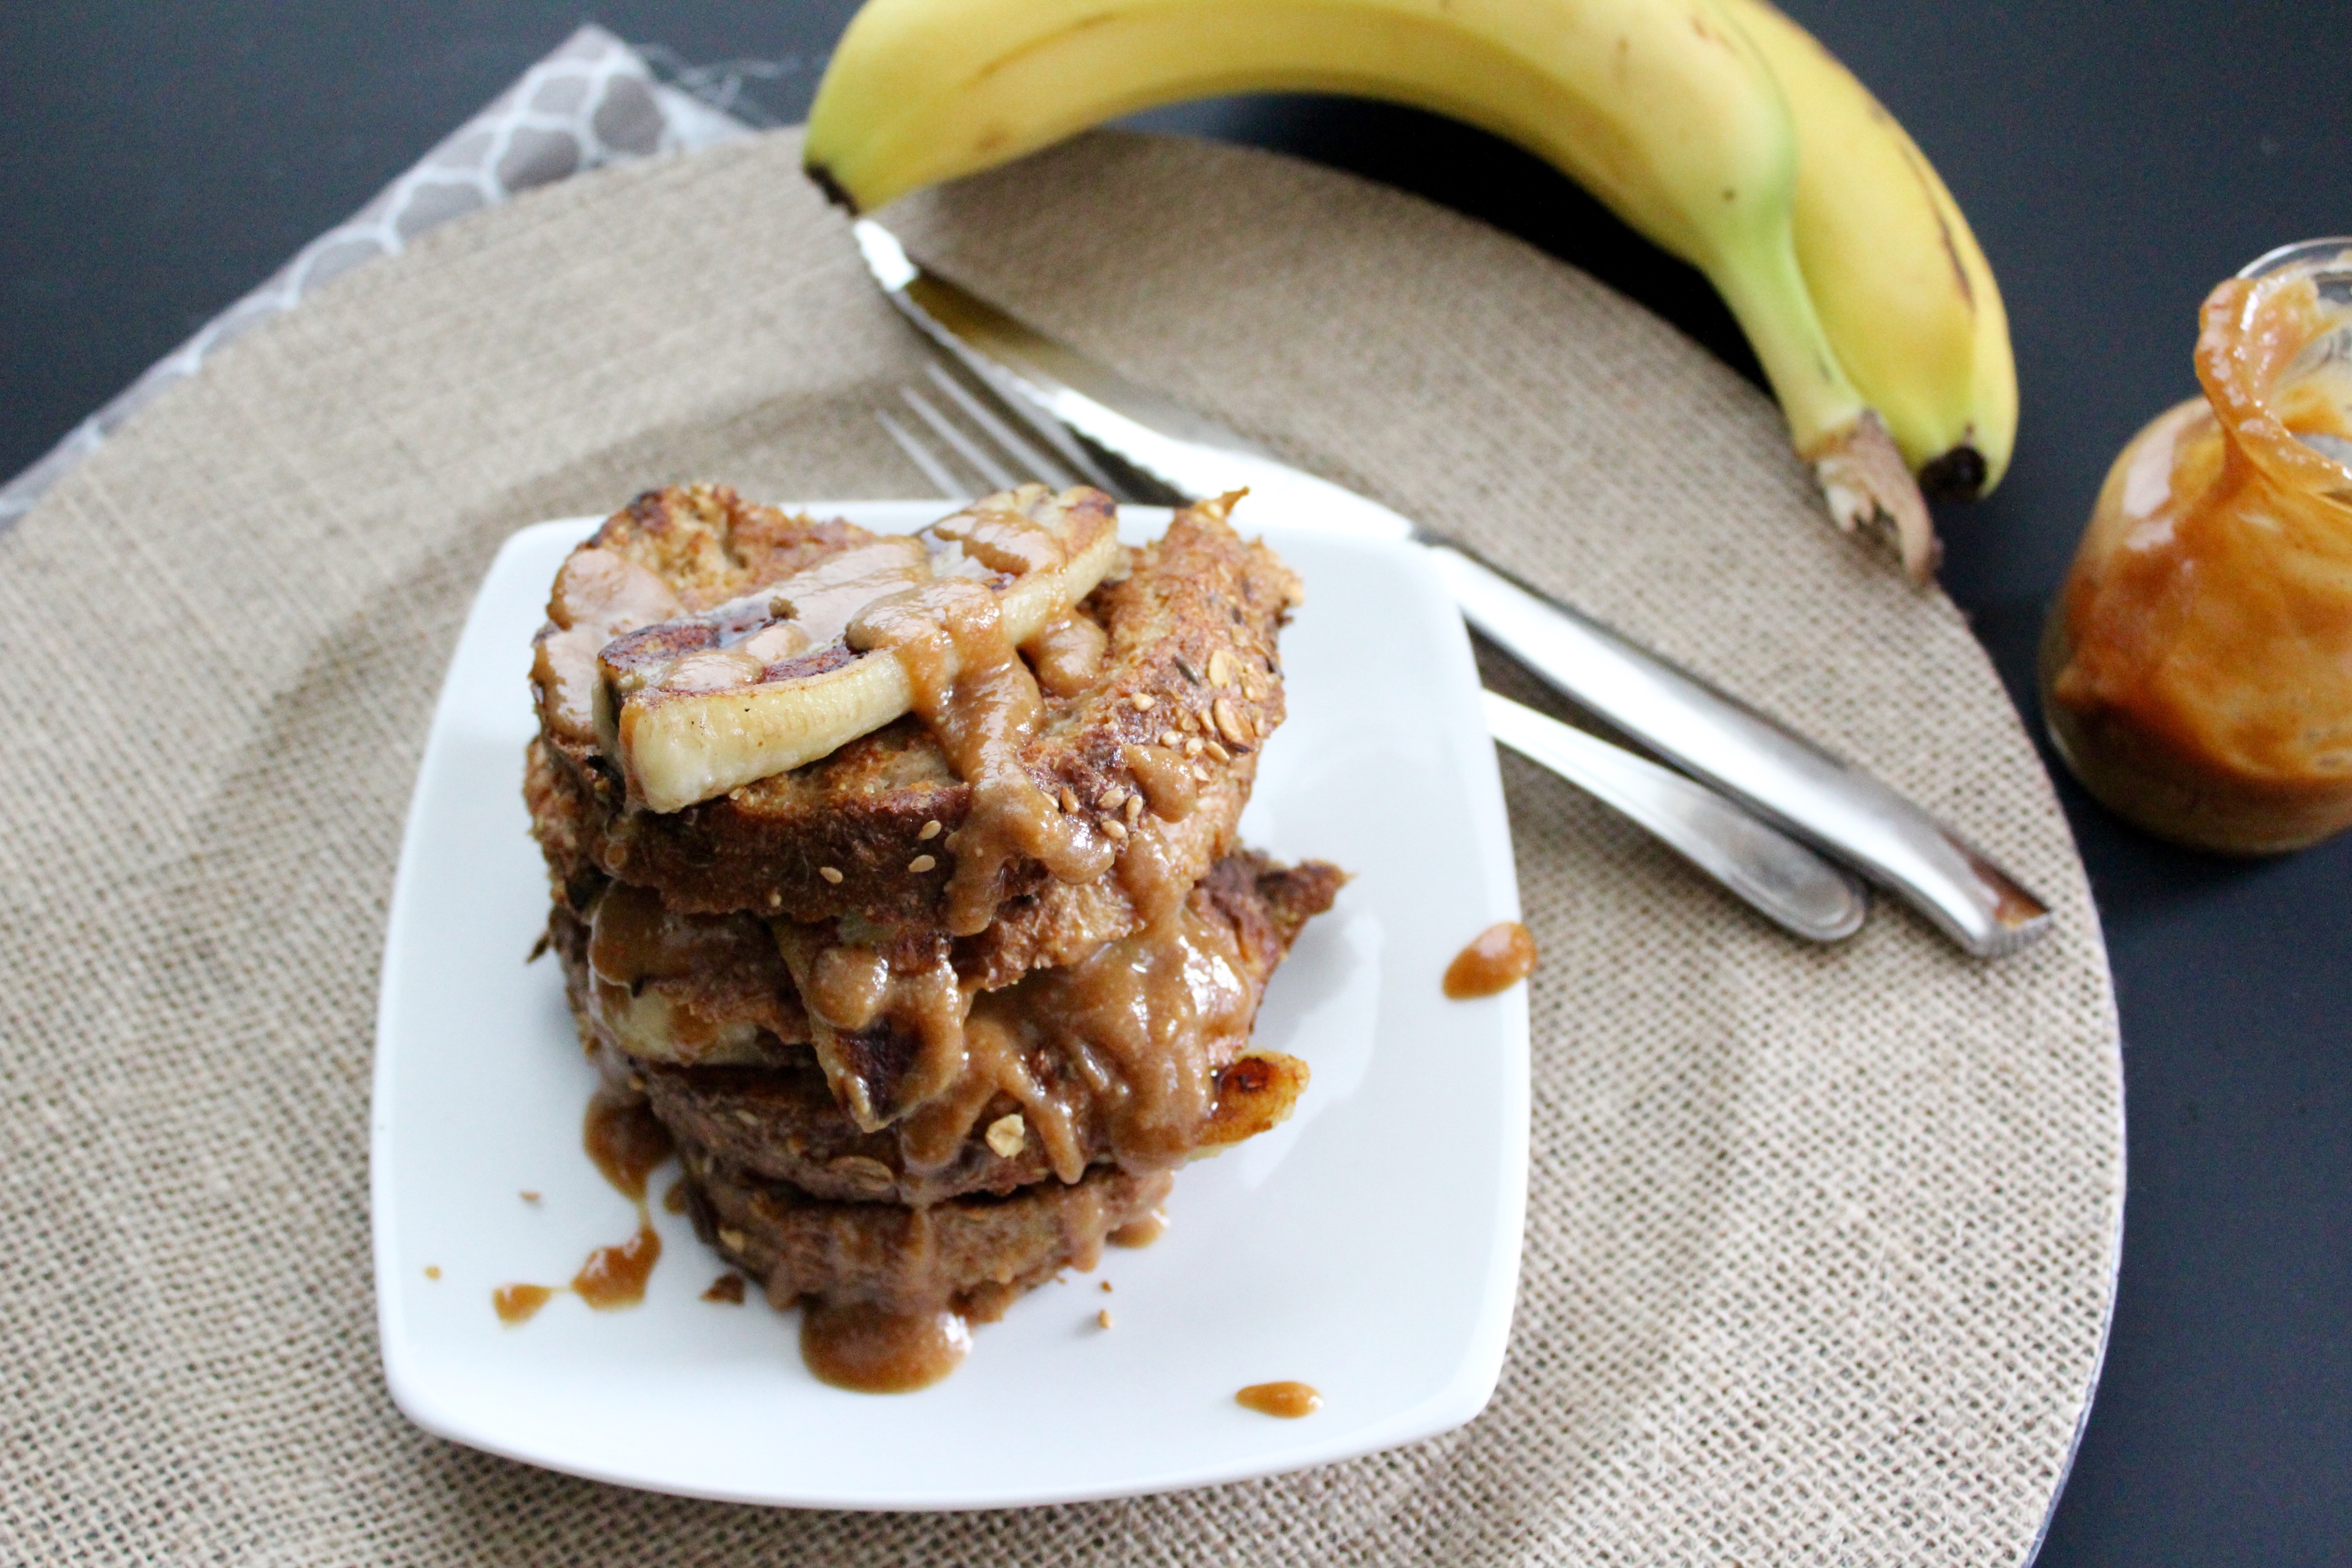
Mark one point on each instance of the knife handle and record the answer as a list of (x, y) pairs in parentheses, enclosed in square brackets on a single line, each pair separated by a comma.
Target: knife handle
[(1835, 807)]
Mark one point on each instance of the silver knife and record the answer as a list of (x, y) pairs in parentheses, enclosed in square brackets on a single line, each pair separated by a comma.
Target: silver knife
[(1821, 799)]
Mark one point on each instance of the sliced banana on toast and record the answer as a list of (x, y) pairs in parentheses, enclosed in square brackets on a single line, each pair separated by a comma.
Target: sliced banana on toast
[(693, 707)]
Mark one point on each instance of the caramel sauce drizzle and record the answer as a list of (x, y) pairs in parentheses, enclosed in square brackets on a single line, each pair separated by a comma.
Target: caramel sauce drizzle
[(627, 1144), (866, 1350), (1289, 1400), (1496, 958), (981, 701)]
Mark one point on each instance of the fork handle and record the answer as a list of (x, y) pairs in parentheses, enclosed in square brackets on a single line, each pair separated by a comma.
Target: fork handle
[(1777, 876), (1835, 807)]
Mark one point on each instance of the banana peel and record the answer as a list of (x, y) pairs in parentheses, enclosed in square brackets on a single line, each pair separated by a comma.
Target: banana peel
[(1906, 294), (1666, 109)]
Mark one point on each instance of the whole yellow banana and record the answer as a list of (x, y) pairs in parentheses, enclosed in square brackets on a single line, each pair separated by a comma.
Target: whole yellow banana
[(1907, 297), (1665, 108)]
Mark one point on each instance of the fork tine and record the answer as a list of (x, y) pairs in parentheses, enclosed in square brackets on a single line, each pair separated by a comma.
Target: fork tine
[(988, 468), (1038, 422), (996, 413), (1040, 466), (923, 457)]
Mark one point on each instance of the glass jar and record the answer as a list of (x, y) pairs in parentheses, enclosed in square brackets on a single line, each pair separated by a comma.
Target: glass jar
[(2196, 667)]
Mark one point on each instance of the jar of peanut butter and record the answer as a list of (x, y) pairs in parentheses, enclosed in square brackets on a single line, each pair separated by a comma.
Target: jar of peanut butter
[(2196, 667)]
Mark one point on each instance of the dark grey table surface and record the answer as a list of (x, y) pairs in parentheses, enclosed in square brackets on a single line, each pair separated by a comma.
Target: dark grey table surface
[(2116, 162)]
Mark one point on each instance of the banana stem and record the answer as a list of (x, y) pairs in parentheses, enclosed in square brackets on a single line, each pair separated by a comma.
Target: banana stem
[(1855, 459), (1862, 477)]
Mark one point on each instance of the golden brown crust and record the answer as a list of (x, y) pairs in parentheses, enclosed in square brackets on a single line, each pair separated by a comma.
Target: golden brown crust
[(712, 545)]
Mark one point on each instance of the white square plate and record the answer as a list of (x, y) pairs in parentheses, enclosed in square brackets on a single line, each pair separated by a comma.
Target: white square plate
[(1369, 1246)]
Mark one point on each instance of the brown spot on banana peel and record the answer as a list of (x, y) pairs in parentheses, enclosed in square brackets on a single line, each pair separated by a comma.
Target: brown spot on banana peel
[(1917, 166), (1038, 45), (1699, 26), (1864, 478)]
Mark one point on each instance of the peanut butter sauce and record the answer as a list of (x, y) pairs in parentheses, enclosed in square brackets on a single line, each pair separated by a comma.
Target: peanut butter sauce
[(889, 1037), (868, 1350), (1166, 779), (1496, 958), (2198, 670), (1287, 1400), (982, 704), (520, 1304), (1004, 542), (746, 638), (1130, 1039), (616, 1276), (1138, 1233), (627, 1144), (634, 939), (1067, 655)]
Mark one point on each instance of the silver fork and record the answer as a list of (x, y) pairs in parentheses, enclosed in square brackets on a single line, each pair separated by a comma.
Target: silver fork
[(970, 443)]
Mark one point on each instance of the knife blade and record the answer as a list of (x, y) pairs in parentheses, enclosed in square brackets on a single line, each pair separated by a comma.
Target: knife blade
[(1815, 796)]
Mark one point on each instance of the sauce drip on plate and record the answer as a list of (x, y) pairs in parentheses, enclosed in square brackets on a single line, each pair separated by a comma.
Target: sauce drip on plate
[(1289, 1400), (861, 1348), (1496, 958), (627, 1143)]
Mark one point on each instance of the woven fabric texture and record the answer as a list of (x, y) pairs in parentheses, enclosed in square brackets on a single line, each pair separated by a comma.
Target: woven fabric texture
[(1821, 1242)]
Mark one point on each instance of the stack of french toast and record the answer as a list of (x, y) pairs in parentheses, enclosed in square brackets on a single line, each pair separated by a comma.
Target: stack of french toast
[(898, 877)]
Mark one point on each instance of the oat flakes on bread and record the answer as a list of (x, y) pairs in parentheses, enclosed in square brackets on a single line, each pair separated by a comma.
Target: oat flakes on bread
[(709, 1043)]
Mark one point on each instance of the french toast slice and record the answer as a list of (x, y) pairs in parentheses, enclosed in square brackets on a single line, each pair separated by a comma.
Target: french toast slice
[(973, 1256), (715, 1036), (1157, 690)]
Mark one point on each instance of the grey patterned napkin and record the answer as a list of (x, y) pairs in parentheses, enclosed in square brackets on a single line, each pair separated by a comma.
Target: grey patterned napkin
[(594, 100)]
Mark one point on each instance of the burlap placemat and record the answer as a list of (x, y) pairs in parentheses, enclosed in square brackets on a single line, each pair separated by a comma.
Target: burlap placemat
[(1821, 1243)]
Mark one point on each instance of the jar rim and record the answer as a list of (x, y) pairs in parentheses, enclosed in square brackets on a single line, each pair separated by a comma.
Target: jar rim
[(2296, 254)]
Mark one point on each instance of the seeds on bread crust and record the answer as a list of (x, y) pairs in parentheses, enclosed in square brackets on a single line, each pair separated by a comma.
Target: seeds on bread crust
[(832, 839)]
